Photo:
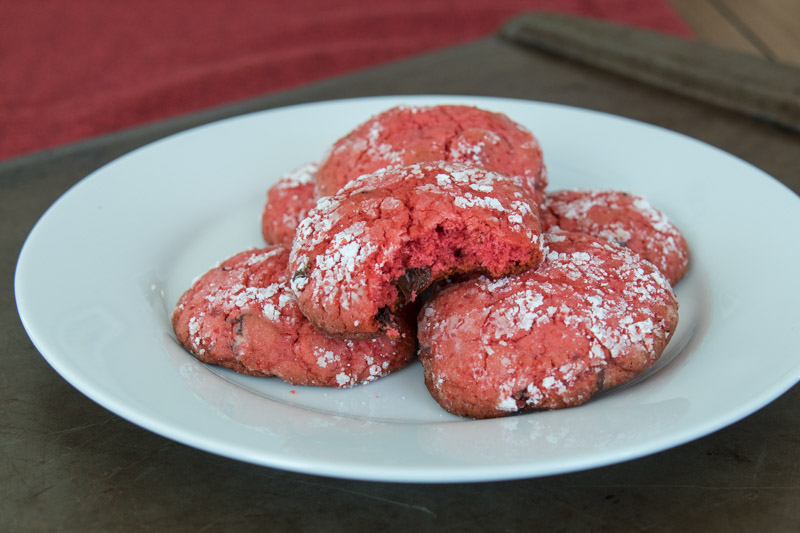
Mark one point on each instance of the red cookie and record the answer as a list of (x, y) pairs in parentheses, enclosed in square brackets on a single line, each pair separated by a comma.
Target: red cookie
[(386, 236), (592, 316), (625, 219), (461, 134), (288, 202), (242, 315)]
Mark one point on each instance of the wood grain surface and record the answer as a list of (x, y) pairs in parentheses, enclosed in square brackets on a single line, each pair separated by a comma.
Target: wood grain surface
[(769, 29)]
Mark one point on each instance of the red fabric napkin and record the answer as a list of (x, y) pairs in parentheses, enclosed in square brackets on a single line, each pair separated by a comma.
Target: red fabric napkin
[(72, 69)]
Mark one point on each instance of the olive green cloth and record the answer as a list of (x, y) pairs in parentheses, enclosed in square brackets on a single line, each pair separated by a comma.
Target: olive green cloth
[(745, 84)]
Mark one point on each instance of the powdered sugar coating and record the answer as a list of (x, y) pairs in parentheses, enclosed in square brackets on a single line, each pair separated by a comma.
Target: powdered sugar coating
[(625, 219), (414, 134), (431, 219), (592, 316), (288, 202), (243, 315)]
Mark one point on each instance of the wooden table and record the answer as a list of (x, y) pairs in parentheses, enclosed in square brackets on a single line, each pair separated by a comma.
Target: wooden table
[(68, 464), (769, 29)]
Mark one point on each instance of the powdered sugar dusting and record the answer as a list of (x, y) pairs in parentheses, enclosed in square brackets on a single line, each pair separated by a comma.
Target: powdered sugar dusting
[(327, 357), (622, 306), (335, 272), (343, 379), (303, 175), (460, 134), (261, 257), (248, 295), (334, 249), (625, 219)]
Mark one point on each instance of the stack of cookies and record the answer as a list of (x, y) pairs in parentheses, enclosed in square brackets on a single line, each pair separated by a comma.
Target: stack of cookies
[(428, 231)]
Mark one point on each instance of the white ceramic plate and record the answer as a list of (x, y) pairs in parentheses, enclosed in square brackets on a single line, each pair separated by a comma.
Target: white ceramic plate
[(101, 271)]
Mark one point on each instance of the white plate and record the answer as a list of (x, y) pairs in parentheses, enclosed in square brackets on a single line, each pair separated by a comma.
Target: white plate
[(101, 271)]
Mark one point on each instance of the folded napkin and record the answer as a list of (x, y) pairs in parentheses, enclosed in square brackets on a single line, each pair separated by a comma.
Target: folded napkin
[(731, 80)]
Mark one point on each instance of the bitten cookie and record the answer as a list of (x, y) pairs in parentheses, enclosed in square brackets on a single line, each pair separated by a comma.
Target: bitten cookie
[(592, 316), (288, 202), (622, 218), (242, 315), (363, 253), (461, 134)]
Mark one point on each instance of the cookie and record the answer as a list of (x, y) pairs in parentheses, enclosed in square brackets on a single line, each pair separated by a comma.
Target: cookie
[(415, 134), (592, 316), (623, 218), (242, 315), (364, 252), (288, 202)]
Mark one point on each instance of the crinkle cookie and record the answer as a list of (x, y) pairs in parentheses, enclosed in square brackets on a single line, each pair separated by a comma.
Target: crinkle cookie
[(363, 253), (242, 315), (415, 134), (623, 218), (592, 316), (288, 202)]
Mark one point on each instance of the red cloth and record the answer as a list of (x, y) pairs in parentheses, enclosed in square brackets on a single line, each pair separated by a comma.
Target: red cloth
[(71, 69)]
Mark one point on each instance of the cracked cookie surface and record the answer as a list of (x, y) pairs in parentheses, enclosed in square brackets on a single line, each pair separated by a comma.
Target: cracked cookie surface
[(242, 315), (592, 316), (415, 134), (363, 253), (288, 203), (623, 218)]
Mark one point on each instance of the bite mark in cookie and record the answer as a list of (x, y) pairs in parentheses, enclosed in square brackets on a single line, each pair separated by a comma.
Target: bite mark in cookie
[(363, 253)]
